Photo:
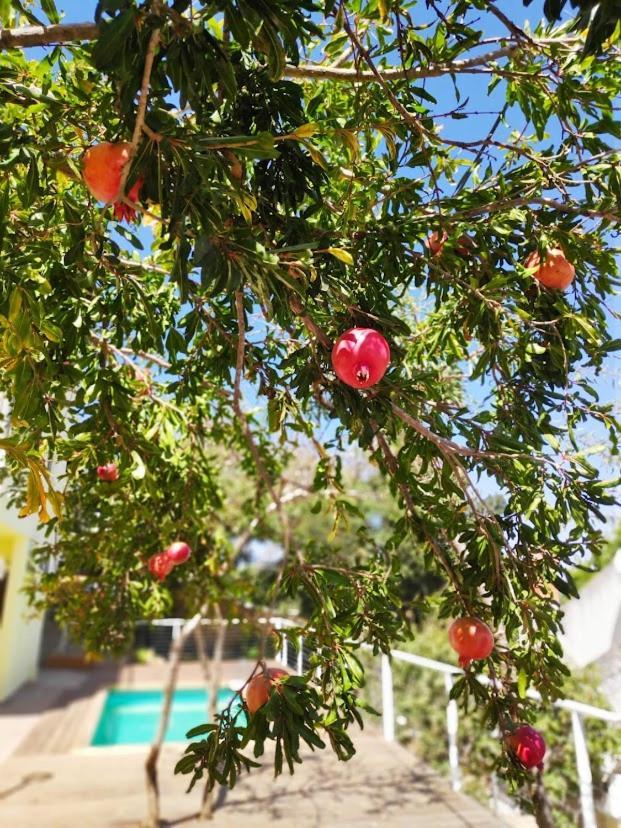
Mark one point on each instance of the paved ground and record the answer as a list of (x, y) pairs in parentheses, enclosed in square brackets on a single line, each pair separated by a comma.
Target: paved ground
[(382, 786), (50, 778)]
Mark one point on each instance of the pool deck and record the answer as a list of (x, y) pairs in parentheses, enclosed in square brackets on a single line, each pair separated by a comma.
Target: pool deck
[(54, 779)]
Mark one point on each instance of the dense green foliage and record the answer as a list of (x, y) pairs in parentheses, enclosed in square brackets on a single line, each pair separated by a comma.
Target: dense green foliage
[(600, 17), (288, 200)]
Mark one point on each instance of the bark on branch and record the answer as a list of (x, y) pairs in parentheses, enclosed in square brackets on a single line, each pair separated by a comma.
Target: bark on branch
[(64, 33), (153, 793), (47, 35)]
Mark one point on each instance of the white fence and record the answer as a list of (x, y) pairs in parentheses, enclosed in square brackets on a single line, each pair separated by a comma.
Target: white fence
[(297, 658)]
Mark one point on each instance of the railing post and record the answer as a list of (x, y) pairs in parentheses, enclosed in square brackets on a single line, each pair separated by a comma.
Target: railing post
[(300, 665), (175, 633), (452, 724), (388, 700), (278, 626), (585, 778), (284, 653)]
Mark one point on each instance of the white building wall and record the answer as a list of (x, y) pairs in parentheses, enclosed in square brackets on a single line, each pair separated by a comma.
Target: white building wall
[(20, 629), (591, 623)]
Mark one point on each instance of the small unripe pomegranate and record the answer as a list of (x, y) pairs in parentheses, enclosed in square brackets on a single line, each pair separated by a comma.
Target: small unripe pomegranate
[(178, 552), (471, 639), (108, 472), (556, 272), (465, 246), (122, 211), (527, 745), (102, 167), (257, 692), (160, 565), (435, 242), (360, 357)]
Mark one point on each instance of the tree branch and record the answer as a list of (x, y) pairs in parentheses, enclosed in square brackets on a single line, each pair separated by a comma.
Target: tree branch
[(154, 41), (59, 34), (66, 33), (500, 206)]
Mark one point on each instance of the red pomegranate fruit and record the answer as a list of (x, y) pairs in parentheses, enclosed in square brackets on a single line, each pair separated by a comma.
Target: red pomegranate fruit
[(102, 168), (556, 272), (257, 692), (160, 565), (471, 639), (360, 357), (122, 211), (108, 472), (527, 746), (178, 552)]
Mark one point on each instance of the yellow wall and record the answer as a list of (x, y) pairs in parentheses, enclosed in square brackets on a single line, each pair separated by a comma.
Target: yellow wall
[(20, 633)]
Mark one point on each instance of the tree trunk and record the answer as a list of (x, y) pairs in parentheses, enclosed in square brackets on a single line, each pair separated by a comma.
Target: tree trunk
[(176, 651), (543, 811), (215, 678), (201, 651)]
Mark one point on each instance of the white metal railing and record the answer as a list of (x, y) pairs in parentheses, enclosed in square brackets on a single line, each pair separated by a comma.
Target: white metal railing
[(578, 710)]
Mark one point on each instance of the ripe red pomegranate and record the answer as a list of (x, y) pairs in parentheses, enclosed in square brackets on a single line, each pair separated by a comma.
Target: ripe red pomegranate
[(178, 552), (471, 638), (360, 357), (556, 272), (102, 167), (527, 745), (108, 472), (160, 565), (122, 211), (257, 692)]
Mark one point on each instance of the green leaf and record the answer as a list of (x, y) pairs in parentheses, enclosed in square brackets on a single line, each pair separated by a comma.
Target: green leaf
[(199, 730), (51, 331), (49, 8), (139, 470)]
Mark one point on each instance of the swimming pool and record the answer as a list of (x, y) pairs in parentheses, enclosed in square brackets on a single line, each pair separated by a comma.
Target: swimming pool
[(131, 717)]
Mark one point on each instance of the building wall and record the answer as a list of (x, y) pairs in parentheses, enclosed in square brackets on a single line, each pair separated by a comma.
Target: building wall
[(20, 631), (591, 624)]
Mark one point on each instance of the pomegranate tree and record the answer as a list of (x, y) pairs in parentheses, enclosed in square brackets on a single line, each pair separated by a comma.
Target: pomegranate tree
[(360, 357), (471, 639)]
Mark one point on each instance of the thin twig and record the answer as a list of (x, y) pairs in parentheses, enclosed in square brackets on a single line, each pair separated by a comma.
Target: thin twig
[(407, 116), (241, 349), (141, 111)]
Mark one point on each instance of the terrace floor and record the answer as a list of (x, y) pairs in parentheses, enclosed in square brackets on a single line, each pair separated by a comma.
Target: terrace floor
[(53, 779)]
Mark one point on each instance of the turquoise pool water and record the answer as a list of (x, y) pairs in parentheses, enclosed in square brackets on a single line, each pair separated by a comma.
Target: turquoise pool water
[(130, 717)]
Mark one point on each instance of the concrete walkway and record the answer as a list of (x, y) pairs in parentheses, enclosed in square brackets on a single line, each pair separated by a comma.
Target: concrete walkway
[(51, 778), (383, 785)]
